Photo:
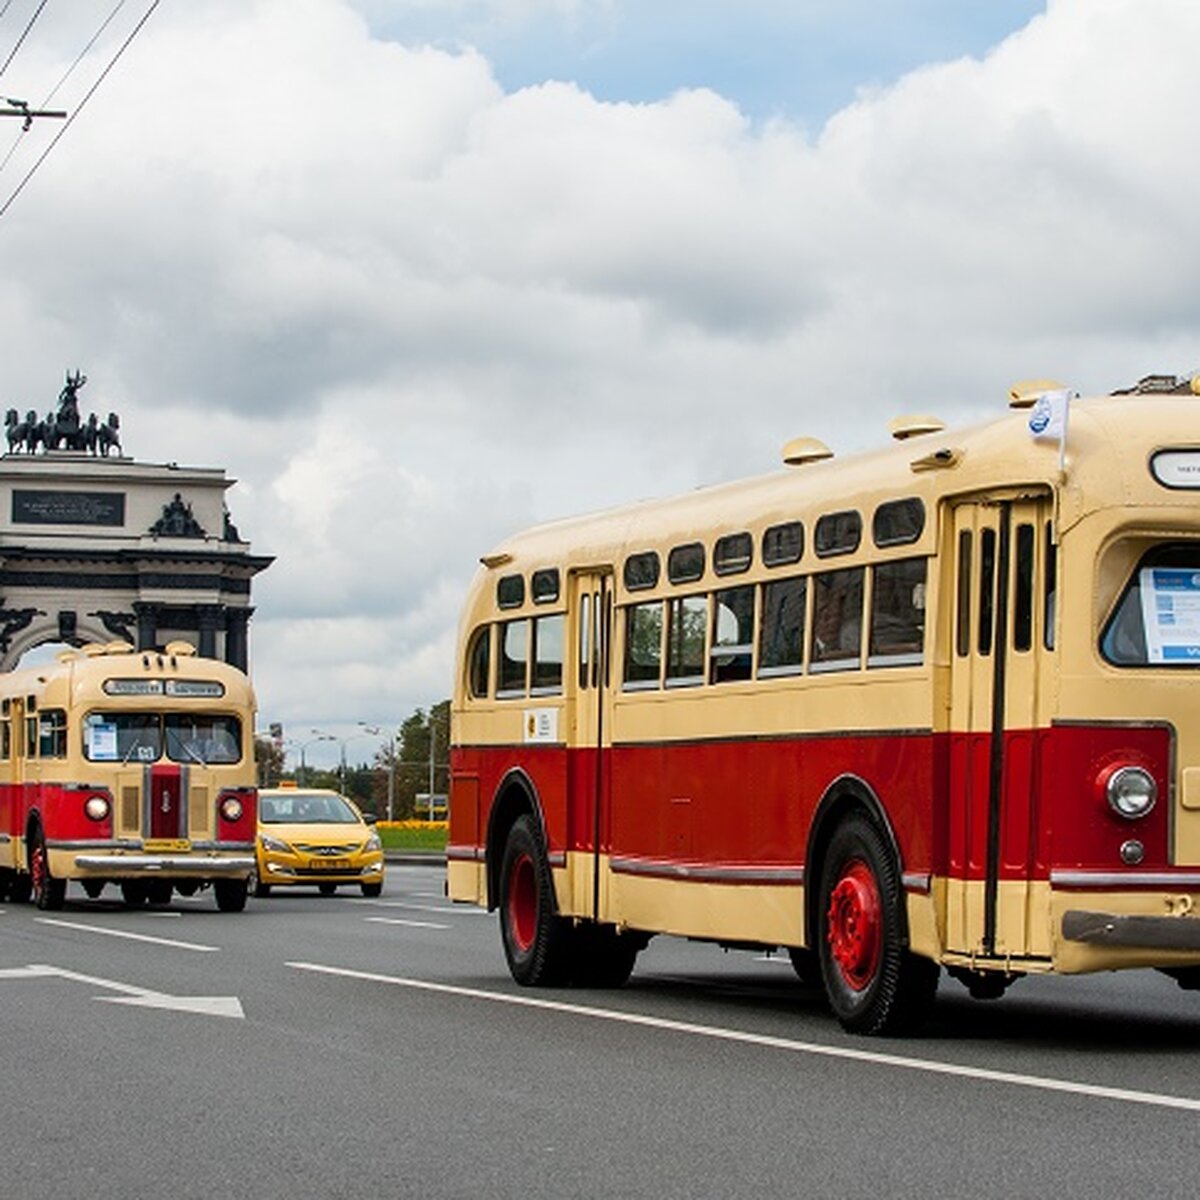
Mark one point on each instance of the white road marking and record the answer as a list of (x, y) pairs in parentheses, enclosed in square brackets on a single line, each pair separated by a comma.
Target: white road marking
[(450, 910), (874, 1057), (401, 921), (125, 933), (208, 1006)]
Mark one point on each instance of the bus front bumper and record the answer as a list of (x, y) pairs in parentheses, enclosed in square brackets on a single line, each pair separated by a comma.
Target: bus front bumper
[(1115, 929), (202, 865)]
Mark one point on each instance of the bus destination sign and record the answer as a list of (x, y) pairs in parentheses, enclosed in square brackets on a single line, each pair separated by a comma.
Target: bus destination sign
[(40, 507)]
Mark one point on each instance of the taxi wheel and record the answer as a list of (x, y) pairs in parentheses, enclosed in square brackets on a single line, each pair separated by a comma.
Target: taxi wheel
[(326, 889), (48, 892), (537, 942), (256, 887), (372, 889), (874, 984)]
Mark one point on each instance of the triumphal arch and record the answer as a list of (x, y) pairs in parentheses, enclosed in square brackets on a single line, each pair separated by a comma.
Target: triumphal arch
[(95, 546)]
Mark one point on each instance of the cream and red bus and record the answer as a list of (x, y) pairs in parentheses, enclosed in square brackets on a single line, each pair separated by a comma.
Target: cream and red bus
[(936, 705), (131, 768)]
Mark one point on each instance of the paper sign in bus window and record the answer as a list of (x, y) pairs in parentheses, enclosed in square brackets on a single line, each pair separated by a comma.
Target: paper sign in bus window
[(102, 742), (1171, 614)]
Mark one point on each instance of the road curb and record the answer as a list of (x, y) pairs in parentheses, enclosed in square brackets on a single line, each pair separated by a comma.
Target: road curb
[(414, 858)]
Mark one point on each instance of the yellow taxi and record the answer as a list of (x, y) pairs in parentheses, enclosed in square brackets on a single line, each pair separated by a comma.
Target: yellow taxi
[(316, 838)]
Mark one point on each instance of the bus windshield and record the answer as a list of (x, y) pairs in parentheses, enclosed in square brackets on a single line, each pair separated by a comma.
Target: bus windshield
[(125, 737), (1157, 620)]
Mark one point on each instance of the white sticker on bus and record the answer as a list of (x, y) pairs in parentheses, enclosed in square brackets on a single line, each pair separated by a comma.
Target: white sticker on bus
[(102, 742), (541, 724), (1171, 614)]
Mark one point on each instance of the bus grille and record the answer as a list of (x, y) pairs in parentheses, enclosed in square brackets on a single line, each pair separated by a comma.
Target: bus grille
[(131, 815), (198, 811)]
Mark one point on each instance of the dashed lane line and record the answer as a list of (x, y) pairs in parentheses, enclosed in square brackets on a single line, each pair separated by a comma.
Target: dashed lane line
[(872, 1057), (125, 933), (410, 924)]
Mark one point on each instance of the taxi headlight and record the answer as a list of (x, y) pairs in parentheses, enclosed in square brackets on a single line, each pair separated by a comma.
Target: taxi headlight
[(97, 808), (373, 843), (274, 844), (1131, 792)]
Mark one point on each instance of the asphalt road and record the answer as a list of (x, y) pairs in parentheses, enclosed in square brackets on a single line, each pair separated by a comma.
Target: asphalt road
[(342, 1047)]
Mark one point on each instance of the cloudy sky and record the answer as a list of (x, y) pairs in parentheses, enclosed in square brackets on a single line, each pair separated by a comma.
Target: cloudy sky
[(418, 273)]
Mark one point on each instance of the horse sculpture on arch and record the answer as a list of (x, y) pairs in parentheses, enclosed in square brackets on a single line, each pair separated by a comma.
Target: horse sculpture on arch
[(64, 429)]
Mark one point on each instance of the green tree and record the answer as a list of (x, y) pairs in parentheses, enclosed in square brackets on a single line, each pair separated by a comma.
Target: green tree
[(422, 759), (268, 759)]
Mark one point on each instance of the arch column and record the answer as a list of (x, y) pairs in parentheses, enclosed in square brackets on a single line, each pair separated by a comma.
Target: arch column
[(208, 619), (147, 623), (237, 637)]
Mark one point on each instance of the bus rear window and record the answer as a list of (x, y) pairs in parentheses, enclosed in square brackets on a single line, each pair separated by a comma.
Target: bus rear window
[(1157, 620)]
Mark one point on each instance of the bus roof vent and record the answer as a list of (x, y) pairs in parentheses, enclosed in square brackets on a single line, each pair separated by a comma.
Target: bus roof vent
[(120, 647), (66, 656), (179, 649), (906, 427), (492, 561), (92, 649), (803, 450), (1163, 385), (1025, 394)]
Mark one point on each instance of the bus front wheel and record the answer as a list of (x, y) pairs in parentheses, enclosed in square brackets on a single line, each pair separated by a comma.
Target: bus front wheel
[(874, 984), (230, 894), (48, 892), (537, 942)]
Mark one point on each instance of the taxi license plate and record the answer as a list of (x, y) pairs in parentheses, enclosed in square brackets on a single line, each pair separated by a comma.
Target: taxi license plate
[(166, 845), (331, 864)]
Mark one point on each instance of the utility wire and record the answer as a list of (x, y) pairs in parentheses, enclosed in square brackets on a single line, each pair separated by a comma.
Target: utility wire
[(66, 75), (24, 34), (80, 106), (7, 6)]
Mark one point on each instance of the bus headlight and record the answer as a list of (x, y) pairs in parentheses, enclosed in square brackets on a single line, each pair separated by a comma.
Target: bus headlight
[(1131, 792), (231, 808), (97, 808)]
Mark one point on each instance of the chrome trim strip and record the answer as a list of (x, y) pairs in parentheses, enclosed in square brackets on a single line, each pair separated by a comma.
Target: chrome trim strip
[(557, 859), (1113, 929), (707, 874), (94, 844), (465, 853), (915, 881), (156, 864), (1125, 879)]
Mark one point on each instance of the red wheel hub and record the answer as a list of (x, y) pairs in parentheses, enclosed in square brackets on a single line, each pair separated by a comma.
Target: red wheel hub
[(522, 903), (854, 924), (37, 870)]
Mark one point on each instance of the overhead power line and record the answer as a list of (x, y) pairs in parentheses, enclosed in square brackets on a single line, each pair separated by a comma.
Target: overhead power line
[(80, 106), (37, 12)]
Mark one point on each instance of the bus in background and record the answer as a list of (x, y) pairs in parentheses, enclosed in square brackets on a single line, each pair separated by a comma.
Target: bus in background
[(934, 706), (134, 768)]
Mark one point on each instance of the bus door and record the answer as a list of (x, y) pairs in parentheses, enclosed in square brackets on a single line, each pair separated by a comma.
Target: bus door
[(1002, 584), (588, 734)]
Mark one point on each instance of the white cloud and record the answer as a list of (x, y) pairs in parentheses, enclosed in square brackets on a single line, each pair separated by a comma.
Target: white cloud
[(411, 312)]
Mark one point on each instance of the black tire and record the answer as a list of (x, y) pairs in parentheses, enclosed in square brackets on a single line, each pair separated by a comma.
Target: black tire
[(874, 984), (20, 889), (371, 890), (187, 887), (256, 887), (327, 889), (602, 957), (807, 965), (537, 941), (135, 892), (230, 894), (48, 893), (158, 892)]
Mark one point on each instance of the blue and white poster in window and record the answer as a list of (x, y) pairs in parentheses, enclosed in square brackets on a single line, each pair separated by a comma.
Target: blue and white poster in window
[(1171, 614), (102, 742)]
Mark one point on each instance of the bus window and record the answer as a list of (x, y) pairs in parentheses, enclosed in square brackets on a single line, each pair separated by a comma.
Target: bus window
[(1051, 586), (1163, 588), (545, 586), (643, 645), (514, 655), (191, 738), (783, 544), (733, 634), (898, 522), (548, 635), (897, 614), (479, 657), (987, 588), (5, 739), (641, 571), (733, 554), (687, 617), (585, 638), (837, 533), (685, 564), (837, 620), (122, 737), (963, 615), (52, 733), (781, 651), (510, 591), (1023, 590)]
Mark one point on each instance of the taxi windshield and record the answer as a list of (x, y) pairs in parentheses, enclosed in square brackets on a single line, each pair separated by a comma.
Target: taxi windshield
[(306, 808)]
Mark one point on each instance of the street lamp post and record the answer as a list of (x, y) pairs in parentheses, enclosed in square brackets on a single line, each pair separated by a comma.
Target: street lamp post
[(390, 740), (329, 737), (321, 737)]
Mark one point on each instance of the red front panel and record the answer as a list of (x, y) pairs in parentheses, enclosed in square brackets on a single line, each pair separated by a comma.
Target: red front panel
[(166, 803)]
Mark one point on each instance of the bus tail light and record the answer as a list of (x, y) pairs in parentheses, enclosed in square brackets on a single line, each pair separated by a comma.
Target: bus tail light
[(1129, 790)]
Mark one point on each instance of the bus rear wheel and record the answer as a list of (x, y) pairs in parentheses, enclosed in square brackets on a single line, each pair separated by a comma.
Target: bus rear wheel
[(48, 893), (537, 942), (874, 984), (602, 957)]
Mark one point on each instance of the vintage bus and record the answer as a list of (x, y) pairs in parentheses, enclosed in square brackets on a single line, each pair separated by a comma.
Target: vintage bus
[(932, 706), (132, 768)]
